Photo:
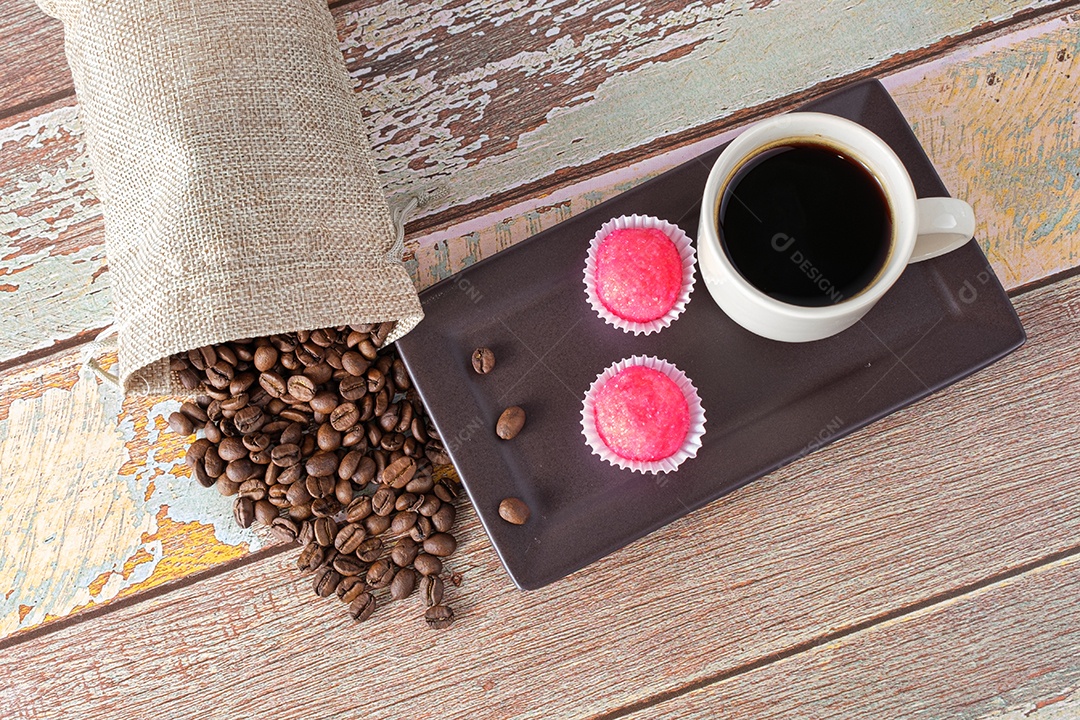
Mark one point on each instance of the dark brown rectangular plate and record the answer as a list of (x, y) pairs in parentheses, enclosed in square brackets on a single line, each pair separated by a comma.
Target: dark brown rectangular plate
[(766, 403)]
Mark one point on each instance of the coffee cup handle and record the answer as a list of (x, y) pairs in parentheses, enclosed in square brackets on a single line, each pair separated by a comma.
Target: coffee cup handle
[(944, 225)]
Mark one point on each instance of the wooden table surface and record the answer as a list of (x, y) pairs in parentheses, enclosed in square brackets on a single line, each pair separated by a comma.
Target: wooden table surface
[(927, 566)]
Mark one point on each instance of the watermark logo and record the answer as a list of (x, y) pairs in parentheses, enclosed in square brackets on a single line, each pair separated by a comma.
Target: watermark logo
[(781, 242), (827, 433)]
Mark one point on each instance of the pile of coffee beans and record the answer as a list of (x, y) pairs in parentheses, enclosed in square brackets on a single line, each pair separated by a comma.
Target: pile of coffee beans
[(321, 437)]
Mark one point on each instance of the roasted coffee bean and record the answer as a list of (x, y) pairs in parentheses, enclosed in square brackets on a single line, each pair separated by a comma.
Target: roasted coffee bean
[(292, 435), (405, 501), (273, 384), (231, 405), (376, 381), (388, 421), (349, 464), (220, 375), (240, 470), (343, 491), (322, 463), (344, 416), (194, 413), (370, 550), (510, 423), (440, 545), (350, 537), (348, 565), (181, 424), (319, 486), (400, 375), (376, 524), (428, 505), (483, 360), (382, 401), (354, 363), (427, 564), (432, 590), (381, 333), (278, 495), (249, 420), (398, 473), (362, 607), (326, 581), (326, 530), (419, 429), (241, 384), (300, 512), (290, 475), (265, 512), (393, 443), (353, 388), (297, 494), (201, 476), (286, 455), (324, 402), (188, 379), (514, 510), (284, 529), (196, 451), (256, 442), (422, 530), (404, 552), (266, 357), (359, 509), (328, 438), (443, 520), (368, 349), (421, 484), (307, 532), (367, 408), (319, 374), (382, 502), (311, 558), (380, 574), (253, 489), (213, 462), (350, 588), (403, 584), (301, 387), (325, 506), (437, 454), (439, 617), (232, 449), (403, 522), (365, 472), (446, 491), (227, 487)]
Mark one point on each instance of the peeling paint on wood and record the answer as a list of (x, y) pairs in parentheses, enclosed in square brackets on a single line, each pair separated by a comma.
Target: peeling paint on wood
[(53, 262), (95, 501)]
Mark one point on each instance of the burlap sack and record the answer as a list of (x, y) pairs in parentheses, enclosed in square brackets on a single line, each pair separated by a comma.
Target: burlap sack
[(234, 174)]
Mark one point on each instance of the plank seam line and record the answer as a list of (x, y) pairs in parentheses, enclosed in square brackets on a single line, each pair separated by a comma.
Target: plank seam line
[(829, 638), (80, 338), (137, 597), (1053, 278)]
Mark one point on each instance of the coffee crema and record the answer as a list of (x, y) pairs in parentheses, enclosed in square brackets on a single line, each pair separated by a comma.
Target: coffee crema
[(805, 224)]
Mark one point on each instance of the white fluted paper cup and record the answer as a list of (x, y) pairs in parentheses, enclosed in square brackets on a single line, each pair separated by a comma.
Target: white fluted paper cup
[(690, 443), (685, 248)]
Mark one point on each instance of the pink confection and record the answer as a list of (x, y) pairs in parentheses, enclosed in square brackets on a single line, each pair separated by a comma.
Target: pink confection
[(639, 273), (641, 414)]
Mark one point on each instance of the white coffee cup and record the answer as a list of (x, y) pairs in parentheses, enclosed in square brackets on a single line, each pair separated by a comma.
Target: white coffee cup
[(921, 228)]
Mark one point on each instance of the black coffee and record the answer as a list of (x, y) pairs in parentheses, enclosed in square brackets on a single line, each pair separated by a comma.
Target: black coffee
[(805, 224)]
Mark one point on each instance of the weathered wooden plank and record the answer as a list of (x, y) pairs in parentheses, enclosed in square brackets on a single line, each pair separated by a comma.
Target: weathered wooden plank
[(54, 283), (32, 63), (1009, 650), (95, 501), (928, 501)]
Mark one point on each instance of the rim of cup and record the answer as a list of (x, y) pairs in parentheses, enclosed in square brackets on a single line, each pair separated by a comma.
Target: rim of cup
[(848, 137)]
